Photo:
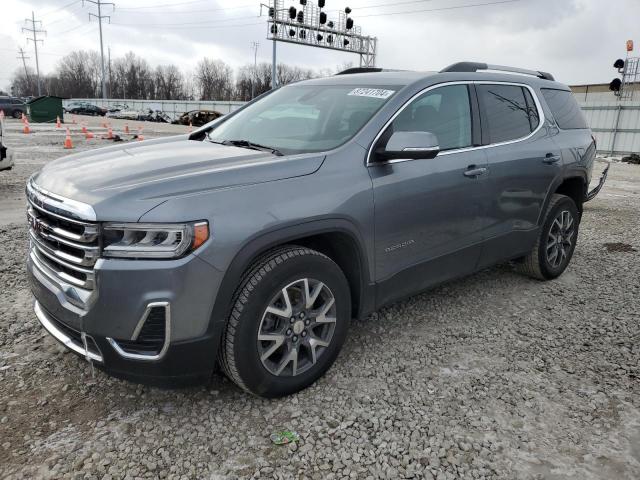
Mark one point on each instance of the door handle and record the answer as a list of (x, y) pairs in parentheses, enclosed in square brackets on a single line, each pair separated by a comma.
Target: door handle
[(550, 159), (475, 172)]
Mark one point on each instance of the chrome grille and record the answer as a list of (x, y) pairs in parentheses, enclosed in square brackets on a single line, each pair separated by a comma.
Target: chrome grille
[(63, 248)]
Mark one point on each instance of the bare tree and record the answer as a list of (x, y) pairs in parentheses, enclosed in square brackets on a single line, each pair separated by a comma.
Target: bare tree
[(214, 79), (78, 74), (24, 85), (287, 74), (169, 83), (132, 78)]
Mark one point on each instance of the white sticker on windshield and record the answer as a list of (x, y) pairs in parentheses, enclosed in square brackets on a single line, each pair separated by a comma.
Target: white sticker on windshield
[(371, 92)]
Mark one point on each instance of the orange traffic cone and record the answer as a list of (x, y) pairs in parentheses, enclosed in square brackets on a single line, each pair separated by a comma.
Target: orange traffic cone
[(58, 122), (190, 127), (23, 118), (73, 119), (126, 128), (26, 129), (88, 135), (68, 144), (140, 136), (109, 133), (84, 128), (1, 114)]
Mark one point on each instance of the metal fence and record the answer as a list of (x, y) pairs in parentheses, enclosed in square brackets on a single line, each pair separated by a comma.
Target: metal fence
[(173, 108), (615, 124)]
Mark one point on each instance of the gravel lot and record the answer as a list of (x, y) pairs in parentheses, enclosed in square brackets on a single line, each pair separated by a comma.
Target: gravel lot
[(494, 376)]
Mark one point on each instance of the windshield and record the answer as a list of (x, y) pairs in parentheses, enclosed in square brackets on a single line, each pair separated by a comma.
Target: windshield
[(304, 118)]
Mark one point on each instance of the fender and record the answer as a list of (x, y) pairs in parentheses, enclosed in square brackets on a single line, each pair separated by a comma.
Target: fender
[(265, 241), (554, 186)]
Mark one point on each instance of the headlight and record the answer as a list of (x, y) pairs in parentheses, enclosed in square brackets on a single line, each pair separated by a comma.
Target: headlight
[(152, 240)]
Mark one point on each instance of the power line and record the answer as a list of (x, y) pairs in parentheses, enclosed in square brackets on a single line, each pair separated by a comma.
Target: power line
[(208, 22), (440, 8), (189, 26), (184, 3), (47, 13), (70, 13), (99, 16), (134, 10), (34, 30)]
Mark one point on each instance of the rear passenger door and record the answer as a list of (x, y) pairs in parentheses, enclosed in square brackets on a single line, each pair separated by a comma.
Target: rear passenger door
[(523, 160)]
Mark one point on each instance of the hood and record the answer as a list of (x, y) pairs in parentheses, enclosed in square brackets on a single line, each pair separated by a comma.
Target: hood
[(125, 181)]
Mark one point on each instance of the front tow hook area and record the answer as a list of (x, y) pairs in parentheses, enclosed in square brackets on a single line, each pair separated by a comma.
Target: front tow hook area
[(603, 178)]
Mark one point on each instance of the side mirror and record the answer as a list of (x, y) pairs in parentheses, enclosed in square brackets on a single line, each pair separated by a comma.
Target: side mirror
[(409, 145)]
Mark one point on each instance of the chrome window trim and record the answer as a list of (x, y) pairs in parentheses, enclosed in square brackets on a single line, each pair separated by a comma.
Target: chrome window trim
[(534, 94), (77, 210), (136, 332)]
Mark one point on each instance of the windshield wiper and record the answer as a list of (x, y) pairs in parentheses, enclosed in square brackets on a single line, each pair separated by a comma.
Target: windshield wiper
[(252, 146)]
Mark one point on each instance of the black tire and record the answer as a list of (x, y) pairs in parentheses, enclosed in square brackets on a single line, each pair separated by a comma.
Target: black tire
[(16, 114), (537, 263), (239, 350)]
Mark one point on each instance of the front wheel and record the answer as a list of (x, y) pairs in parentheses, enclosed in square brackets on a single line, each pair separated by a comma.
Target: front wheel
[(556, 241), (288, 322)]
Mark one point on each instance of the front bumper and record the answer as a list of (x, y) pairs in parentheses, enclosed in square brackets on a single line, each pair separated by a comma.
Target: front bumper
[(187, 362), (93, 326)]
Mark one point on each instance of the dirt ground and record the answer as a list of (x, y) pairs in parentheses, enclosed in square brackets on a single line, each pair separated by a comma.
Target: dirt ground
[(496, 376)]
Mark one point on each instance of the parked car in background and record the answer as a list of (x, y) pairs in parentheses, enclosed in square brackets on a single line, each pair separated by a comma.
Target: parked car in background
[(197, 118), (12, 106), (117, 107), (85, 108), (253, 242)]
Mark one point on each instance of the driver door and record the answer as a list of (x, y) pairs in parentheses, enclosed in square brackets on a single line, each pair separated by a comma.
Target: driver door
[(429, 214)]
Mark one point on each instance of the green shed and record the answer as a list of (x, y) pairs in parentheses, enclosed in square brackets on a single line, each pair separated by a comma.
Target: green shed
[(45, 109)]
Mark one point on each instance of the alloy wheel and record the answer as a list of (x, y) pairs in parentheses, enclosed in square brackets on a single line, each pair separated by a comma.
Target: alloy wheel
[(560, 238), (296, 327)]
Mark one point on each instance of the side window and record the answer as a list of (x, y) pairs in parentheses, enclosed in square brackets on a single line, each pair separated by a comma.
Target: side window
[(565, 109), (506, 111), (444, 111)]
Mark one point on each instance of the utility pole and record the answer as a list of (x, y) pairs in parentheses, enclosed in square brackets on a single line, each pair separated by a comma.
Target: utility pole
[(110, 92), (99, 16), (274, 79), (34, 30), (24, 63), (254, 46)]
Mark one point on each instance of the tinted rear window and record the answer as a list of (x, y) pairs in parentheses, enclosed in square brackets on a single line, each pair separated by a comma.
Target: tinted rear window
[(509, 115), (565, 109)]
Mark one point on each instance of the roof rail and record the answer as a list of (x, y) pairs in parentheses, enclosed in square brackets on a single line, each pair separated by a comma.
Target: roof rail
[(475, 66), (349, 71)]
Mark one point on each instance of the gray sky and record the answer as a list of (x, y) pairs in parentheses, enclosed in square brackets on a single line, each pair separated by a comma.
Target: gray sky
[(576, 40)]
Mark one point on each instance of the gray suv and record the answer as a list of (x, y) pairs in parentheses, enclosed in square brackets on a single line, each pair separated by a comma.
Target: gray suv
[(251, 243), (12, 106)]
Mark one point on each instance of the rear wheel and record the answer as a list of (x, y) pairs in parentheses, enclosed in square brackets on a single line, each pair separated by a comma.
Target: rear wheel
[(288, 322), (17, 114), (556, 241)]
